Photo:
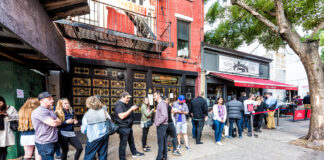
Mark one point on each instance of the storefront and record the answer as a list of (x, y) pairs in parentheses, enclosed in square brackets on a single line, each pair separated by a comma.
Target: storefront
[(229, 72), (110, 79)]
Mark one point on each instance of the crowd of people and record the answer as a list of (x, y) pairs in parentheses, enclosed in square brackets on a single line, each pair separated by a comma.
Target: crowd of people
[(47, 129)]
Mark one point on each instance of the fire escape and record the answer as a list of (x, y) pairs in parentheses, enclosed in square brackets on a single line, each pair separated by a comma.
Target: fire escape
[(113, 29)]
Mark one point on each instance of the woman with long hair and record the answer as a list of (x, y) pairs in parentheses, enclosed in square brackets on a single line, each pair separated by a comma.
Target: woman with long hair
[(7, 137), (261, 106), (220, 113), (67, 135), (25, 126), (146, 122)]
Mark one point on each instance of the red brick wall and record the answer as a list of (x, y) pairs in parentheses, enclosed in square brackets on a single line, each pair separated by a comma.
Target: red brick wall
[(168, 59)]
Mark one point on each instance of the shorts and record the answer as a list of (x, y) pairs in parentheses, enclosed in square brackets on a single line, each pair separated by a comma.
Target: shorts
[(181, 127), (27, 140)]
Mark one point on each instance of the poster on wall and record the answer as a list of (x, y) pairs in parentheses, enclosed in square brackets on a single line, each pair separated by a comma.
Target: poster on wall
[(20, 93), (234, 65)]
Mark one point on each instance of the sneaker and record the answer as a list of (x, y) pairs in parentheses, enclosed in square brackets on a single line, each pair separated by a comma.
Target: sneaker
[(146, 150), (200, 143), (58, 157), (148, 147), (258, 130), (176, 153), (219, 143), (249, 134), (188, 148), (138, 154), (179, 146), (229, 137)]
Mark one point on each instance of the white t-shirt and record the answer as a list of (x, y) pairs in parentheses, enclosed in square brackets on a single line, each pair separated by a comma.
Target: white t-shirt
[(247, 103)]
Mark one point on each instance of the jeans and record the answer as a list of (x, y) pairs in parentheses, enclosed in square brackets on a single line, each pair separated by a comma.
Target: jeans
[(193, 129), (3, 153), (172, 132), (218, 130), (74, 141), (46, 151), (242, 121), (144, 137), (237, 121), (126, 135), (199, 125), (58, 151), (247, 119), (162, 141), (99, 146)]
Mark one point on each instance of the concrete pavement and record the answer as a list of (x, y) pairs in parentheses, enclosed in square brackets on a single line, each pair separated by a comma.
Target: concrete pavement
[(270, 145)]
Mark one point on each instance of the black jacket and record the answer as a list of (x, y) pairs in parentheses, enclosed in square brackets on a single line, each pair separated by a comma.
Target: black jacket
[(306, 100), (262, 107), (199, 108), (243, 98)]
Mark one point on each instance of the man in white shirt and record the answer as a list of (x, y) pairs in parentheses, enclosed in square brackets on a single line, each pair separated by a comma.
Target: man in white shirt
[(249, 106)]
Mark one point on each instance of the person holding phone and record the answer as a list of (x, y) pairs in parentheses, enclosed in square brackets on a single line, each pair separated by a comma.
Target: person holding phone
[(124, 119)]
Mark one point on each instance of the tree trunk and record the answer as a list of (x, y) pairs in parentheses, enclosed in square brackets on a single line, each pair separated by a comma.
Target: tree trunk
[(309, 55), (313, 66)]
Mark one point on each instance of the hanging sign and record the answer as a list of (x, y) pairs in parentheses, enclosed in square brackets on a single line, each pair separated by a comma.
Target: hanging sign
[(20, 93)]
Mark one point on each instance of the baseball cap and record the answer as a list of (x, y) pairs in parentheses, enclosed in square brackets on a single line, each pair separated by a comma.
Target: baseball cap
[(43, 95), (182, 99), (125, 94)]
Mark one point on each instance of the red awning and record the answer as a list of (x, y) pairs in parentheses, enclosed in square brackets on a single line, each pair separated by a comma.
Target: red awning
[(241, 81)]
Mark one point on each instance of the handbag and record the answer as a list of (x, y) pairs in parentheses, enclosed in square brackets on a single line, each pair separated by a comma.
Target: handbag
[(148, 124), (14, 125), (111, 127)]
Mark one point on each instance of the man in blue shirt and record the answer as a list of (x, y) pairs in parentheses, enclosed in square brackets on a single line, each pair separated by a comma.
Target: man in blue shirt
[(272, 104)]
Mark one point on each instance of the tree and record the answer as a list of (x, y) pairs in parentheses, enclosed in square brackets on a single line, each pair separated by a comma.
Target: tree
[(274, 23)]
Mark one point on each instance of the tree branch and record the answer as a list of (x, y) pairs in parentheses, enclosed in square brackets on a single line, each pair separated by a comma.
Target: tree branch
[(282, 22), (268, 23), (319, 27), (273, 14)]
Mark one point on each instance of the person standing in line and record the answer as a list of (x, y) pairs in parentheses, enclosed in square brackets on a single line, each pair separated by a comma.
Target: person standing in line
[(258, 118), (272, 104), (94, 126), (265, 114), (220, 113), (235, 108), (180, 109), (171, 131), (45, 123), (25, 126), (199, 113), (124, 119), (161, 122), (242, 98), (7, 137), (67, 134), (146, 122), (306, 101), (249, 106)]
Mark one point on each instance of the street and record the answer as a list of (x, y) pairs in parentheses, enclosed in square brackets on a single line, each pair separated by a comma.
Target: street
[(270, 145)]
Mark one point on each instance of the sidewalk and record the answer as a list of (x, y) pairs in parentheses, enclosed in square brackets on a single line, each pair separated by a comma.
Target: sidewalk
[(270, 145)]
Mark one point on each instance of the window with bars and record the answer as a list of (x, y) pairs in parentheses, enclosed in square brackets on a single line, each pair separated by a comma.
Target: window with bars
[(183, 39)]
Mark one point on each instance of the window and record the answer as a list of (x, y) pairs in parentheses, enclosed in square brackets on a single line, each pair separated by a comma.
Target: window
[(183, 38)]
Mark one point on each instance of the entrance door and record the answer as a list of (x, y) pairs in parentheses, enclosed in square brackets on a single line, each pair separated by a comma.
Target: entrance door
[(171, 92)]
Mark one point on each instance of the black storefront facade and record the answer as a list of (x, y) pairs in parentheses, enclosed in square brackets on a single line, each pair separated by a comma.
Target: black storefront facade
[(229, 72), (108, 79)]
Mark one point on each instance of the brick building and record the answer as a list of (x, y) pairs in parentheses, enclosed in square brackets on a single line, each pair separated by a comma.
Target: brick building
[(137, 46)]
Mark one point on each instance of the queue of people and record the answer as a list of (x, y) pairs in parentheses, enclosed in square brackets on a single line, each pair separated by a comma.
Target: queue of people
[(46, 130)]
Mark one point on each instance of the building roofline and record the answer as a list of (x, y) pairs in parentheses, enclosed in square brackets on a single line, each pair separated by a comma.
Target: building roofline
[(235, 53)]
